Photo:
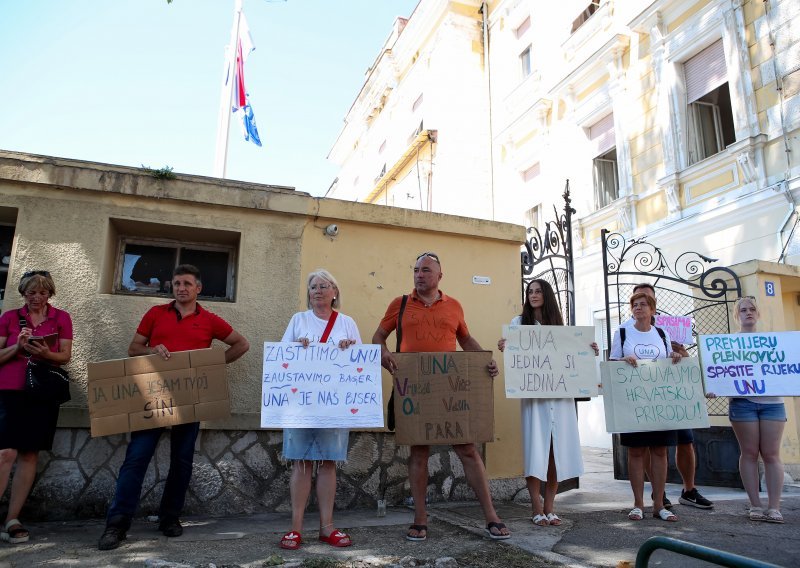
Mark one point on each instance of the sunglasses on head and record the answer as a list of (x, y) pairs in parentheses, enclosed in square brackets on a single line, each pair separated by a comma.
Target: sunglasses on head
[(746, 298), (432, 255), (36, 273)]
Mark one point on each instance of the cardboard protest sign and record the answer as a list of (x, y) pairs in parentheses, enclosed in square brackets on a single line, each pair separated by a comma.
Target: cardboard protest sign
[(549, 361), (654, 395), (443, 398), (752, 364), (679, 328), (138, 393), (321, 386)]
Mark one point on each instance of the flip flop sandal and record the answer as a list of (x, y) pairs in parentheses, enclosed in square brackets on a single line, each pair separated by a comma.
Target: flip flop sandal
[(338, 539), (553, 519), (540, 520), (635, 514), (14, 532), (499, 535), (666, 515), (772, 516), (756, 514), (291, 541), (419, 537)]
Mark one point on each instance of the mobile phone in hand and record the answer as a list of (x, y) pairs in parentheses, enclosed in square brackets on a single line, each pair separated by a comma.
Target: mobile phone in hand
[(50, 340)]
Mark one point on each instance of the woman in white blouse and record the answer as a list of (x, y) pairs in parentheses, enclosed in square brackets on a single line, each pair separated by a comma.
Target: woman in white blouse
[(550, 441)]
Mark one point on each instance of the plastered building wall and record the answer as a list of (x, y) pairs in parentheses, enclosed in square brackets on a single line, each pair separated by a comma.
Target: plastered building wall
[(68, 217)]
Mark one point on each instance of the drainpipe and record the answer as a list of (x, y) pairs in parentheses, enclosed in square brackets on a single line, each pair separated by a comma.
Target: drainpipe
[(792, 212), (485, 44)]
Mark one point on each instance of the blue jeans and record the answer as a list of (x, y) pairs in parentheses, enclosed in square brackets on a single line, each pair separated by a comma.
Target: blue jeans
[(131, 475)]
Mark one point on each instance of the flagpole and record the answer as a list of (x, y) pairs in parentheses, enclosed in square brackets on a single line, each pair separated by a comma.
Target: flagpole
[(224, 119)]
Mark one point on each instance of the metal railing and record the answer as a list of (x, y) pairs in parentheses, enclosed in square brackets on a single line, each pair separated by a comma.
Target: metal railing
[(719, 557)]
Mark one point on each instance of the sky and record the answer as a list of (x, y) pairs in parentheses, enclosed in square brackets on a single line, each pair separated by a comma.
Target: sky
[(138, 82)]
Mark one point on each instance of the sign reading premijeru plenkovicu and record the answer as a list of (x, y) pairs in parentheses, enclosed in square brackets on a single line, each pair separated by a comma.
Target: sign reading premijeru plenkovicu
[(751, 364), (321, 386)]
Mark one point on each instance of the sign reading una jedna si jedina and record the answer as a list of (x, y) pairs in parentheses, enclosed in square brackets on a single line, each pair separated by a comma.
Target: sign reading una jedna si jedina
[(549, 361), (321, 386), (752, 364)]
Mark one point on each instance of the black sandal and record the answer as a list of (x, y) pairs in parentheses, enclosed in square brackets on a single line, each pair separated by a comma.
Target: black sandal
[(419, 529), (499, 527)]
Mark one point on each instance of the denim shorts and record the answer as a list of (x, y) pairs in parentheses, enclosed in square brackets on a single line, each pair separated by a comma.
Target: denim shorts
[(743, 410), (685, 436), (315, 444)]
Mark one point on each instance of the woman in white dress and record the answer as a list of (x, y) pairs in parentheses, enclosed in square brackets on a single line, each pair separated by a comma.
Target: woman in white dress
[(550, 441), (325, 446)]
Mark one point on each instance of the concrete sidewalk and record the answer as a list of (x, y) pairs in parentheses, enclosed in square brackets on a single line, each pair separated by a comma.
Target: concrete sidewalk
[(596, 532)]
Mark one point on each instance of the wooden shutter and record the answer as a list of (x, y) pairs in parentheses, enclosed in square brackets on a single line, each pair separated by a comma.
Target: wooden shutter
[(705, 71)]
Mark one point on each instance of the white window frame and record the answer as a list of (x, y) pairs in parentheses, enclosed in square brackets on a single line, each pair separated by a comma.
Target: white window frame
[(525, 62), (603, 197), (697, 138), (533, 217)]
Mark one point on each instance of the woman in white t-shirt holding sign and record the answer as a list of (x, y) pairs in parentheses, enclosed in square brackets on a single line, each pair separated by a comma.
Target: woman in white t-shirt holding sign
[(645, 341), (758, 423)]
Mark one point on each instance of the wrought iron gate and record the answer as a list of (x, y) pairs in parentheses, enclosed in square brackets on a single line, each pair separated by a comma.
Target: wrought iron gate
[(689, 286), (548, 256)]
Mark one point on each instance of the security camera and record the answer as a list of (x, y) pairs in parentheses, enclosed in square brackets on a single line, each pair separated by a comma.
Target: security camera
[(332, 230)]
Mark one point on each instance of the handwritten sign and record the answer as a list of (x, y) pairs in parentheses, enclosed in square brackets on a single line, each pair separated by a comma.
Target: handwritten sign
[(679, 328), (321, 386), (549, 361), (654, 395), (138, 393), (443, 398), (752, 364)]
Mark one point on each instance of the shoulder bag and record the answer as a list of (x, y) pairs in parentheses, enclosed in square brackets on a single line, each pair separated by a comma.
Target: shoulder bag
[(399, 334), (45, 382)]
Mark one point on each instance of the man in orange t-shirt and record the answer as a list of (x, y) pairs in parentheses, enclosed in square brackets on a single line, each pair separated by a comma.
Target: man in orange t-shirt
[(434, 322)]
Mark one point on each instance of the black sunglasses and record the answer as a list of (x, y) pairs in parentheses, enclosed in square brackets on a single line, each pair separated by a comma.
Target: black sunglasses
[(36, 273), (429, 255), (746, 298)]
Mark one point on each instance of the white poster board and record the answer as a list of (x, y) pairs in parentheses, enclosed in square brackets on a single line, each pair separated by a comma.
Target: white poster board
[(679, 328), (654, 395), (549, 361), (751, 364), (321, 386)]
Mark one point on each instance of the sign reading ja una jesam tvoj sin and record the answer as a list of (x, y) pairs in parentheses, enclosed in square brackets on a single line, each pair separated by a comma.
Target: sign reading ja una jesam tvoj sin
[(321, 386), (751, 364)]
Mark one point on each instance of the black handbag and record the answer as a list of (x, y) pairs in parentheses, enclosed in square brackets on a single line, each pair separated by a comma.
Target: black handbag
[(43, 381), (46, 382)]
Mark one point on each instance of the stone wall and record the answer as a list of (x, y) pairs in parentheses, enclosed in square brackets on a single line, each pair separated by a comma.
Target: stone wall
[(235, 472)]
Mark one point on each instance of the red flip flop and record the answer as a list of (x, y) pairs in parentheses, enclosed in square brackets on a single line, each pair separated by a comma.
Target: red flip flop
[(337, 538), (291, 540)]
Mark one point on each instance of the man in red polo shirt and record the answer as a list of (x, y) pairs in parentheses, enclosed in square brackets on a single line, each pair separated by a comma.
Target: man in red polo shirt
[(434, 322), (180, 325)]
